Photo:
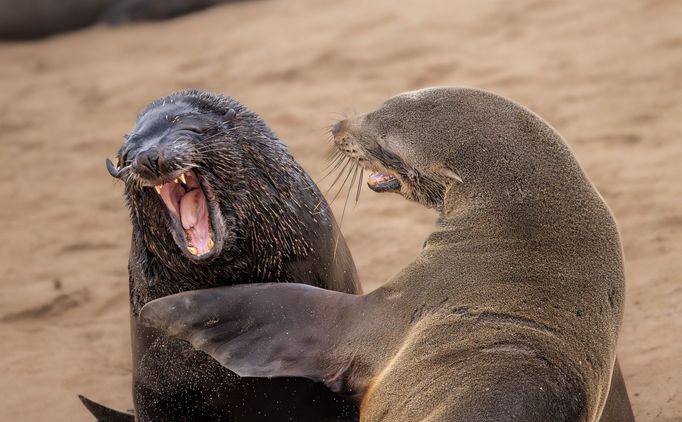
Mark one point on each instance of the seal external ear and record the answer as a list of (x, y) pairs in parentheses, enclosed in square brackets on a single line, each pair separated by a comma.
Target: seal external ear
[(229, 115), (449, 173), (258, 330)]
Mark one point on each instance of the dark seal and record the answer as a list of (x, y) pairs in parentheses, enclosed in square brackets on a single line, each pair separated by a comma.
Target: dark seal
[(214, 198), (512, 310), (29, 19)]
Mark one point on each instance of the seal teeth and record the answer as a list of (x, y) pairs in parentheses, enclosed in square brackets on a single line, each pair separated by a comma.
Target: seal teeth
[(210, 243), (193, 250), (183, 179), (158, 189)]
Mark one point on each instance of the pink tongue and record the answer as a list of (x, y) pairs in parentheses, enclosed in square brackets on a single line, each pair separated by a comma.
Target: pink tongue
[(194, 217), (378, 177)]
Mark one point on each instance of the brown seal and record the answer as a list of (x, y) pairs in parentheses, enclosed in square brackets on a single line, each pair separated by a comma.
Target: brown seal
[(215, 198), (512, 310)]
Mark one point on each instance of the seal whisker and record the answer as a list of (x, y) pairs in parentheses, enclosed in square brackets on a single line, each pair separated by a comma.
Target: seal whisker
[(333, 158), (357, 194), (333, 161), (333, 153), (350, 170), (339, 114), (325, 130), (329, 137), (350, 188), (347, 161), (345, 204), (337, 162)]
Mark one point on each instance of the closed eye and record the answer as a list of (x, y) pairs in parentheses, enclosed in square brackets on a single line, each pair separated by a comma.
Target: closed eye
[(384, 144)]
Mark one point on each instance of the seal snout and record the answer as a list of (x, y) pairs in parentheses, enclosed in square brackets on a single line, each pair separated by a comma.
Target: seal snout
[(382, 179), (150, 163), (338, 127), (183, 195), (160, 156)]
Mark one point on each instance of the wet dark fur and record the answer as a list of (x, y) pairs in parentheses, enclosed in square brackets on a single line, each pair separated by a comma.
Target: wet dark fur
[(266, 199), (278, 227)]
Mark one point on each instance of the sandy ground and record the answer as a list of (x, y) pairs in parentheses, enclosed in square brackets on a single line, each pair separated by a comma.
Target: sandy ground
[(607, 75)]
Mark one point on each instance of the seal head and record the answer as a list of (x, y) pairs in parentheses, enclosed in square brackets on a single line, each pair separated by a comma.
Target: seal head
[(161, 163)]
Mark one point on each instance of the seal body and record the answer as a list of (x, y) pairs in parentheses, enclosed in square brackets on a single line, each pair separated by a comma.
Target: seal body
[(31, 19), (510, 312), (214, 199)]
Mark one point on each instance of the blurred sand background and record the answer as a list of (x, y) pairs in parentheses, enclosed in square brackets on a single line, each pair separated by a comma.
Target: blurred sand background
[(607, 75)]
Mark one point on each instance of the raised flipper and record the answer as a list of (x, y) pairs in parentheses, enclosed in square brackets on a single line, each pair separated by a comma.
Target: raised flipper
[(267, 330), (105, 414)]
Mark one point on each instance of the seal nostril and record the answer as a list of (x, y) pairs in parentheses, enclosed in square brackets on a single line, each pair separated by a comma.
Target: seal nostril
[(153, 162), (148, 161), (338, 127)]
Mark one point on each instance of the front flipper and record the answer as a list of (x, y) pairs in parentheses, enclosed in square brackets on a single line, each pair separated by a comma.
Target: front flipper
[(105, 414), (267, 330)]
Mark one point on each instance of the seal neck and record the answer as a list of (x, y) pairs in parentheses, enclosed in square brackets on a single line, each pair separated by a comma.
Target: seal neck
[(462, 225)]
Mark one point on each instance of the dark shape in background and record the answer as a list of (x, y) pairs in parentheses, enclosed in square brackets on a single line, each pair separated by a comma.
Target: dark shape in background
[(31, 19)]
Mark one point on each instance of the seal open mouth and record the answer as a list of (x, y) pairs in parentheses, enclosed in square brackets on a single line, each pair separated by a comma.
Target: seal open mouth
[(185, 199), (383, 182)]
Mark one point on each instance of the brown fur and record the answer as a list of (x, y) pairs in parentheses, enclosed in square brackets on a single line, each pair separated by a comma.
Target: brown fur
[(530, 243)]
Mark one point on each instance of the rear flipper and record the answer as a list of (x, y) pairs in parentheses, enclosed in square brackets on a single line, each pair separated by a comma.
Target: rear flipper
[(266, 330), (617, 407), (105, 414)]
